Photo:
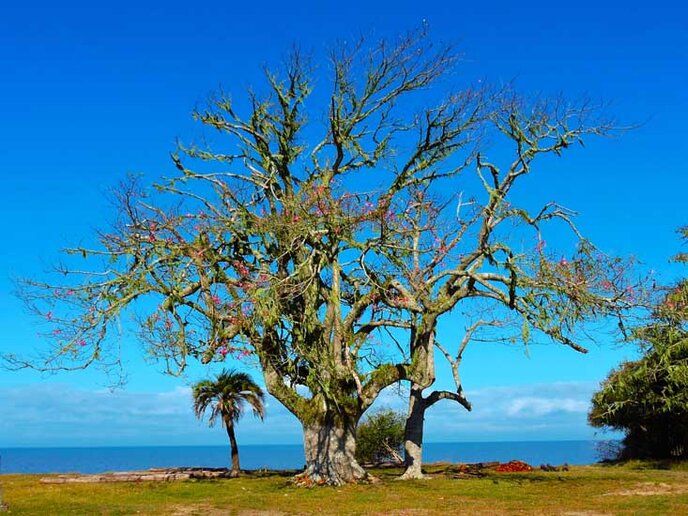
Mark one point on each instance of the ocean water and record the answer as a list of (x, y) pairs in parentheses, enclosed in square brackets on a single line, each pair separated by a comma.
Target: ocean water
[(97, 460)]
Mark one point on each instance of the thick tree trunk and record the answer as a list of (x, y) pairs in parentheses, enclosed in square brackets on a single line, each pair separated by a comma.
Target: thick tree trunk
[(413, 434), (329, 435), (330, 448), (424, 376), (415, 421), (236, 468)]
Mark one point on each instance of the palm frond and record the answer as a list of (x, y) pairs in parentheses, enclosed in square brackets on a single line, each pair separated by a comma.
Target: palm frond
[(226, 396)]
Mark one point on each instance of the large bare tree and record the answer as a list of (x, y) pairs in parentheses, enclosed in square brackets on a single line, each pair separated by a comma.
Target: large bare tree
[(317, 227)]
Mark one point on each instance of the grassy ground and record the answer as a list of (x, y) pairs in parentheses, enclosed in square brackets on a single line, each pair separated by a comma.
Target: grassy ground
[(584, 490)]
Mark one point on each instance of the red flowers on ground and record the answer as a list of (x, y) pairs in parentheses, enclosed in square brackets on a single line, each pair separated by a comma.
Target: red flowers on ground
[(514, 466)]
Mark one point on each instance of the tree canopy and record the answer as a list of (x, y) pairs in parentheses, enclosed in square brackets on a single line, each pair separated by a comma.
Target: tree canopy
[(325, 235)]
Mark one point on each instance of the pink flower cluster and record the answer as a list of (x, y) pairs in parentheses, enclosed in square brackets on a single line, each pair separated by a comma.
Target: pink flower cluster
[(241, 268)]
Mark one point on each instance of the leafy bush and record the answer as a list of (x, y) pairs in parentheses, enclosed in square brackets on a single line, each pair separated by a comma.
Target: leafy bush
[(380, 437), (648, 398)]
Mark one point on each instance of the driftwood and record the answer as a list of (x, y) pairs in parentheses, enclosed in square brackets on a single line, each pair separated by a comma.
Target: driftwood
[(471, 470), (395, 455), (150, 475), (458, 471)]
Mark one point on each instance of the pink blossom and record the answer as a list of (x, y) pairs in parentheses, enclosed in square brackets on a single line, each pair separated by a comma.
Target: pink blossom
[(69, 292), (49, 315), (241, 268), (216, 299), (57, 331), (540, 246), (563, 262), (223, 351), (82, 343)]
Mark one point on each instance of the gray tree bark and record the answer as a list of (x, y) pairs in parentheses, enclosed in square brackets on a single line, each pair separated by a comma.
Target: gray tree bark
[(330, 449), (415, 422), (413, 434)]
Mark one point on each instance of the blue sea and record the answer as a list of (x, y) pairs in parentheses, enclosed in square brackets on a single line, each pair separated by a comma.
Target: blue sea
[(97, 460)]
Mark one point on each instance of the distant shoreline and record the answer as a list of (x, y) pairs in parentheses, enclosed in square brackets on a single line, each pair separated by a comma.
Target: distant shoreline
[(279, 456), (246, 445)]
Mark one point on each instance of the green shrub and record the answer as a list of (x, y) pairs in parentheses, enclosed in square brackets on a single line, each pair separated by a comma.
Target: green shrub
[(380, 437), (647, 399)]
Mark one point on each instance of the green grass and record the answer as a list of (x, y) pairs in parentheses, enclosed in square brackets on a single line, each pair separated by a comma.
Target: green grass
[(636, 488)]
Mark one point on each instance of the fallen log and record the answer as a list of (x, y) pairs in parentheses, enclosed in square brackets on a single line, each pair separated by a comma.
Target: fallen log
[(151, 475)]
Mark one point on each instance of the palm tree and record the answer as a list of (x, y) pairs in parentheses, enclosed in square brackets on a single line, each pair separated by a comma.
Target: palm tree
[(226, 396)]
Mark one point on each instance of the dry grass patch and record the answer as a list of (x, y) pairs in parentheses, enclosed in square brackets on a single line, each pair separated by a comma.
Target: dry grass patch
[(652, 489)]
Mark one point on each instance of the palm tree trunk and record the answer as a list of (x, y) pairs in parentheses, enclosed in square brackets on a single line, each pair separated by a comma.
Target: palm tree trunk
[(235, 448)]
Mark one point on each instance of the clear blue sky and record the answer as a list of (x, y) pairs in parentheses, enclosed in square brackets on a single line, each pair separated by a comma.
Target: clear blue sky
[(92, 91)]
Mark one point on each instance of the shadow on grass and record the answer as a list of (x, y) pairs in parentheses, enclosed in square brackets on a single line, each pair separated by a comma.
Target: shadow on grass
[(264, 473)]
